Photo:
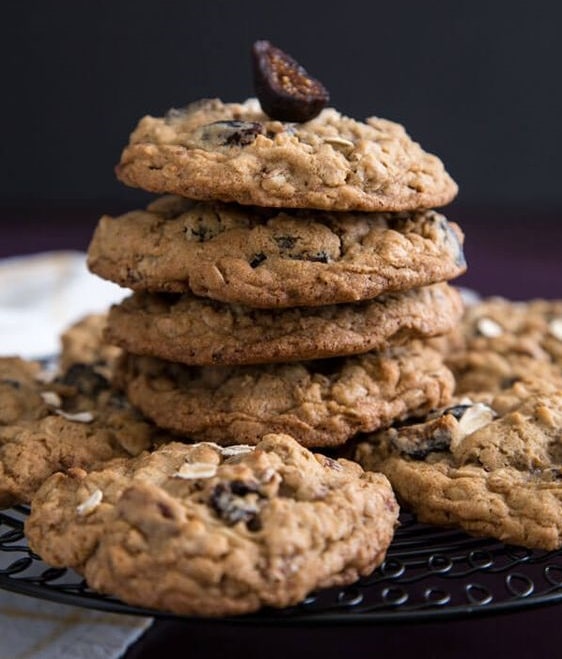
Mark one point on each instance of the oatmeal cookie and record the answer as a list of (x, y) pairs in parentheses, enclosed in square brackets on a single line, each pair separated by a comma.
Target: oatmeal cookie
[(200, 530), (193, 330), (493, 470), (20, 390), (270, 258), (233, 152), (77, 419), (319, 403), (500, 341)]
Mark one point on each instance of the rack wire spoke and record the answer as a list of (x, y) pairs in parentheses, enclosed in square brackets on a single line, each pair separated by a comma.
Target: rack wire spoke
[(428, 573)]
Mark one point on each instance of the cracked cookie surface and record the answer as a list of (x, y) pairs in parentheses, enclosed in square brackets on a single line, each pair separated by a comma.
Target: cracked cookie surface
[(320, 403), (493, 470), (233, 152), (272, 258), (194, 330), (200, 530)]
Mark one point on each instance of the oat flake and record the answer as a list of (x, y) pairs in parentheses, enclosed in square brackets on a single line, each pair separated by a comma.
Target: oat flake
[(474, 418), (339, 141), (91, 503), (236, 449), (555, 328), (51, 398), (489, 328), (193, 470), (80, 417)]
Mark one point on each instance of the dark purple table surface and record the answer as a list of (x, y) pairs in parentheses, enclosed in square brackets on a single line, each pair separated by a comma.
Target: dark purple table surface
[(511, 252)]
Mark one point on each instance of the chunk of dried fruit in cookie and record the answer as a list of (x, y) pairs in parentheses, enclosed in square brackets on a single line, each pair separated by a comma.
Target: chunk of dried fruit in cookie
[(284, 88)]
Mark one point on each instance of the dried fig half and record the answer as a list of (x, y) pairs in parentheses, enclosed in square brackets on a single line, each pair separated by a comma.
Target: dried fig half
[(285, 90)]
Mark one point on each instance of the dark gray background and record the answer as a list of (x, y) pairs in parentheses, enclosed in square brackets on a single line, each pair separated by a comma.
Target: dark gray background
[(476, 82)]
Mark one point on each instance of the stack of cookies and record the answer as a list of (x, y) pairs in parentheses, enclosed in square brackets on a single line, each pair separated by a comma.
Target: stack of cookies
[(284, 291), (286, 281)]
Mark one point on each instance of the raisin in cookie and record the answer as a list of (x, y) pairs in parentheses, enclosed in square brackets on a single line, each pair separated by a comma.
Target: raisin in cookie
[(74, 420), (200, 530), (233, 152), (269, 258), (320, 403), (493, 470), (500, 341), (200, 331)]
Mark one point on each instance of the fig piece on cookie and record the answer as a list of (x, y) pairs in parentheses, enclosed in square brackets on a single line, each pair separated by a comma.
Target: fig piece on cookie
[(285, 90)]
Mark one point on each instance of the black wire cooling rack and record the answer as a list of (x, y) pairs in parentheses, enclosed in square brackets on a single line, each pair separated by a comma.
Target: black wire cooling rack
[(429, 573)]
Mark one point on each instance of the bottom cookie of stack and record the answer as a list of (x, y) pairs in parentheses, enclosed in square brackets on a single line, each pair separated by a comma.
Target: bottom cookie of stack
[(318, 402)]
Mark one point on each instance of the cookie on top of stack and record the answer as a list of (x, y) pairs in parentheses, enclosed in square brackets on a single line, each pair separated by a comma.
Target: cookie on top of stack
[(288, 277), (284, 291)]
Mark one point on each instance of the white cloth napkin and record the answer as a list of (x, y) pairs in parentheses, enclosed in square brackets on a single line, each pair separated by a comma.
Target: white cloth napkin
[(40, 296), (36, 629)]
